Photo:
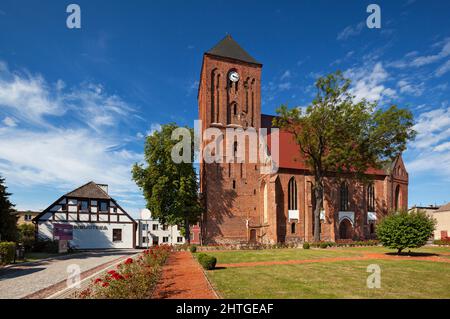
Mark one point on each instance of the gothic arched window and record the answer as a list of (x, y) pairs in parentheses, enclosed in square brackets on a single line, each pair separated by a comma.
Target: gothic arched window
[(344, 197), (371, 198), (292, 194)]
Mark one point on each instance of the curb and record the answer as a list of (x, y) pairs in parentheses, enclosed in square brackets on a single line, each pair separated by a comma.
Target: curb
[(210, 285)]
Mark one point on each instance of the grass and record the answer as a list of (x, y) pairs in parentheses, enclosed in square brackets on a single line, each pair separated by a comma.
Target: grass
[(342, 279), (229, 257), (36, 256)]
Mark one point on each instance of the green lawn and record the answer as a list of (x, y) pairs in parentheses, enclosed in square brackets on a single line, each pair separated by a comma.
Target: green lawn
[(343, 279), (34, 256), (227, 257)]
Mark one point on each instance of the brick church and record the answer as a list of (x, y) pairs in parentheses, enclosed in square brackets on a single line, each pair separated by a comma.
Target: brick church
[(245, 206)]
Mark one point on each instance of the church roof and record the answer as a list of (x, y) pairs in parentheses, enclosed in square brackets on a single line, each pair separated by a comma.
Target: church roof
[(228, 48), (89, 190), (290, 155)]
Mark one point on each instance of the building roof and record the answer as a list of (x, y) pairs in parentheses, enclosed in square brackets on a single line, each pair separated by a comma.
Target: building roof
[(290, 155), (89, 190), (443, 208), (229, 48)]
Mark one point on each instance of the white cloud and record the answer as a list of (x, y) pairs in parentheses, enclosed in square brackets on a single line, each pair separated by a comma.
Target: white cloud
[(368, 83), (286, 75), (82, 140), (443, 69), (431, 149), (153, 128), (412, 89), (10, 122), (350, 31)]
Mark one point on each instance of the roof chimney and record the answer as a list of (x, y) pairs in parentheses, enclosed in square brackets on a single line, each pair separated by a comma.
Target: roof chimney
[(104, 187)]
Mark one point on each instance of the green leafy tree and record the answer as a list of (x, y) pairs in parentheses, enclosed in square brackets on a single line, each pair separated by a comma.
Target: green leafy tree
[(26, 236), (8, 228), (338, 134), (170, 189), (401, 230)]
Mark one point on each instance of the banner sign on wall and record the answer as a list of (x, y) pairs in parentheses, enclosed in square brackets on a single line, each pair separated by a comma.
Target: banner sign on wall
[(63, 232)]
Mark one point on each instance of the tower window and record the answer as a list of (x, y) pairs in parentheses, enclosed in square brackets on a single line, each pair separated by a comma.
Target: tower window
[(234, 184), (293, 228)]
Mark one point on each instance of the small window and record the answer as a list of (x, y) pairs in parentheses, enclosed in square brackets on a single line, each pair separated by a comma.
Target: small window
[(165, 239), (64, 207), (103, 206), (144, 239), (293, 228), (114, 209), (144, 226), (117, 234), (84, 205), (234, 184), (179, 239), (165, 227), (27, 217), (155, 227)]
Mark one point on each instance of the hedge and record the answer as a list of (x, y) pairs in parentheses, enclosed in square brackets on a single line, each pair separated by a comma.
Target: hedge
[(208, 262), (7, 252)]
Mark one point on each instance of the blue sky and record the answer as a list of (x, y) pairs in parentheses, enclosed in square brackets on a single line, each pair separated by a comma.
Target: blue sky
[(76, 105)]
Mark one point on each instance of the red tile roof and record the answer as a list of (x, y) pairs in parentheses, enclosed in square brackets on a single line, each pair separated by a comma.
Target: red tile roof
[(289, 152)]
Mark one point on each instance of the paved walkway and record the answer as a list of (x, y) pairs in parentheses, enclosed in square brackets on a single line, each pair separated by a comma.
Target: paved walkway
[(182, 278), (365, 256), (40, 279)]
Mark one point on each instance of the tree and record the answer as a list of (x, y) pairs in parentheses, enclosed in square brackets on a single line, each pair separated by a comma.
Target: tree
[(8, 228), (339, 135), (401, 230), (170, 189), (26, 236)]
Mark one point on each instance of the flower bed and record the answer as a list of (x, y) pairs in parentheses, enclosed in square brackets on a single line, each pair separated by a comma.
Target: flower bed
[(132, 279)]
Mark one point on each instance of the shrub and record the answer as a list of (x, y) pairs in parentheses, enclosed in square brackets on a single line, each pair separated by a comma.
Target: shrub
[(402, 230), (193, 249), (208, 262), (132, 279), (46, 245), (323, 245), (7, 252), (306, 245), (442, 242)]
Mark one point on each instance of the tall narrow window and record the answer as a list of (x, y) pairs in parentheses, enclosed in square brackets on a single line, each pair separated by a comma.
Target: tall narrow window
[(293, 228), (234, 184), (213, 86), (371, 198), (265, 203), (397, 198), (344, 197), (218, 99), (292, 194)]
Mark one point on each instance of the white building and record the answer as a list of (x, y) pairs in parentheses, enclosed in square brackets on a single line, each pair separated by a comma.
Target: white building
[(149, 232), (89, 218)]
